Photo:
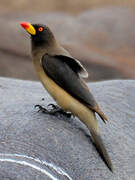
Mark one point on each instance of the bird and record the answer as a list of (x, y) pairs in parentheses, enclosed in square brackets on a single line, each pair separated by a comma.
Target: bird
[(63, 77)]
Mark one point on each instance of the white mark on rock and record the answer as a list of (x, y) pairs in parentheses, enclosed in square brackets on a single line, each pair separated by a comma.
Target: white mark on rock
[(24, 163), (13, 158)]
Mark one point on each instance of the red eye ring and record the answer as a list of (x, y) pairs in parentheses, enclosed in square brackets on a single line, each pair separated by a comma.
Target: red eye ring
[(40, 29)]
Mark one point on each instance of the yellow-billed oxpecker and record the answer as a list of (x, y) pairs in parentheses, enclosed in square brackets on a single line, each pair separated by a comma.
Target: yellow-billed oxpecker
[(61, 75)]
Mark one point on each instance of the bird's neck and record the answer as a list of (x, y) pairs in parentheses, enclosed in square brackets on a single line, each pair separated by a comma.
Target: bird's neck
[(53, 49)]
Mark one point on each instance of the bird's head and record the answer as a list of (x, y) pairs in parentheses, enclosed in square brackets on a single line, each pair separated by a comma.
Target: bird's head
[(41, 35)]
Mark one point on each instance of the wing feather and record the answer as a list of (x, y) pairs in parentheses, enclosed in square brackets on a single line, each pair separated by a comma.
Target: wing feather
[(66, 76)]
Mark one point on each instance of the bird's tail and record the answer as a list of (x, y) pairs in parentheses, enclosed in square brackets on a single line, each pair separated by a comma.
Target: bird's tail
[(88, 117), (101, 148)]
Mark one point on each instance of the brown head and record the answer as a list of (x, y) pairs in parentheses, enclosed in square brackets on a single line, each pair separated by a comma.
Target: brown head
[(41, 35)]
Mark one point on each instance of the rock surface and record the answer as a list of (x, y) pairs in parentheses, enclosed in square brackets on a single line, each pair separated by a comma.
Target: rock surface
[(36, 146), (102, 39)]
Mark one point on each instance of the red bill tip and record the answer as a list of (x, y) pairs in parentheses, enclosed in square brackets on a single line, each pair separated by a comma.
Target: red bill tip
[(25, 25)]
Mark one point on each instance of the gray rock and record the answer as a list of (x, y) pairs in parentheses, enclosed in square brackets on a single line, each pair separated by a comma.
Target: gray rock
[(35, 146)]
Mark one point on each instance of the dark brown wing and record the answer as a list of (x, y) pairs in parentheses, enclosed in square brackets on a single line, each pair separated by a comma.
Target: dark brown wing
[(66, 77), (74, 64)]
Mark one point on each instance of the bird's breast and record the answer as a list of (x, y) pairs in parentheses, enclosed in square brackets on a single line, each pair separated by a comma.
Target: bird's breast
[(53, 89)]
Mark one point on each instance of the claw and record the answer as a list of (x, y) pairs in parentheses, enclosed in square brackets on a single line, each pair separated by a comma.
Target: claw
[(55, 109), (41, 108), (36, 106), (53, 106)]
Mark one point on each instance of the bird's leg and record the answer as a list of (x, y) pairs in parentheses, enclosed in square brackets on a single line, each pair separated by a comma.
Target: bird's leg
[(55, 109)]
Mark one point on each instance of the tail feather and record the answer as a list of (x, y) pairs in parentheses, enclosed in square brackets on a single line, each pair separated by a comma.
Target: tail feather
[(100, 113), (88, 117), (101, 149)]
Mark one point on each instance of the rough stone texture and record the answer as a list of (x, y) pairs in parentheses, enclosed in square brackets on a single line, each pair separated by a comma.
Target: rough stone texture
[(102, 39), (29, 140)]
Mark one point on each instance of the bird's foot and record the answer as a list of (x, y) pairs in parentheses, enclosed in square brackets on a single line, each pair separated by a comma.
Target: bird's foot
[(54, 110), (42, 109)]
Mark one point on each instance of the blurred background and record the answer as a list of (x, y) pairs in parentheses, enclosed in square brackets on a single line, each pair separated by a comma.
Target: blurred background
[(100, 33)]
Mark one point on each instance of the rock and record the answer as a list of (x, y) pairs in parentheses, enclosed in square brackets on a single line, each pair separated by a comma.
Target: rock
[(13, 65), (38, 146), (102, 39)]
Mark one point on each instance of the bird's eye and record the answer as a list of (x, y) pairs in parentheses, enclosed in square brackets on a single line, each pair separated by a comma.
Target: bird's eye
[(40, 29)]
